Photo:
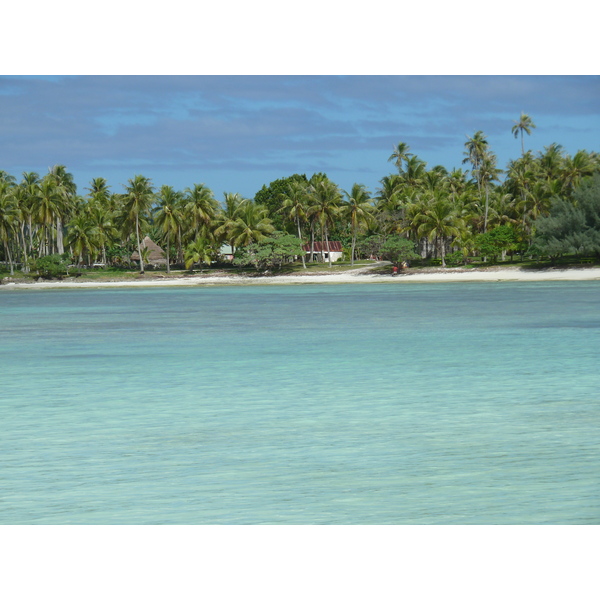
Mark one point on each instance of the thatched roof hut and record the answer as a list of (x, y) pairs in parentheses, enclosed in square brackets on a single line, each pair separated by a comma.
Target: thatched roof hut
[(156, 256)]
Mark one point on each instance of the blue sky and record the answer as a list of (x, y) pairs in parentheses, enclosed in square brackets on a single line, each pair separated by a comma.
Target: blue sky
[(236, 133)]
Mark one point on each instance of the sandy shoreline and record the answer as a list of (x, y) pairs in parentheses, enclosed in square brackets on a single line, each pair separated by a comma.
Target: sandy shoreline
[(356, 276)]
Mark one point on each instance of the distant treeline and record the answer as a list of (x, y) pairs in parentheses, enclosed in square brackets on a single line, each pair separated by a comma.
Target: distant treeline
[(545, 203)]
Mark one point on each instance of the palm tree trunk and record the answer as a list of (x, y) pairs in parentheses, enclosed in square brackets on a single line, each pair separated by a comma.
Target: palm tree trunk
[(486, 209), (7, 249), (328, 249), (60, 248), (442, 241), (180, 257), (168, 244), (522, 144), (30, 227), (24, 268), (137, 233), (300, 238)]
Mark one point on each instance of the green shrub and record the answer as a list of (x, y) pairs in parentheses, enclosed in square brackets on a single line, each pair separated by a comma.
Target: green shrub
[(51, 266), (455, 259)]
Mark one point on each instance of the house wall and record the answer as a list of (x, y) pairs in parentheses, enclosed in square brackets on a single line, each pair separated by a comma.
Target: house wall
[(317, 256)]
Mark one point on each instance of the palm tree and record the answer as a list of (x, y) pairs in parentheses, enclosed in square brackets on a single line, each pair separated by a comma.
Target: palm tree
[(251, 224), (168, 216), (226, 218), (294, 206), (575, 168), (199, 251), (400, 154), (357, 209), (487, 172), (28, 192), (524, 124), (200, 208), (102, 219), (390, 202), (138, 199), (456, 183), (99, 193), (434, 178), (326, 199), (439, 222), (47, 208), (520, 178), (476, 148), (7, 177), (551, 161), (67, 189), (82, 237), (8, 219), (415, 171)]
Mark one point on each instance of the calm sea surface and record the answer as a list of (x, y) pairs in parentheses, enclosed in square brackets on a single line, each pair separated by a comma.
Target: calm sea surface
[(315, 404)]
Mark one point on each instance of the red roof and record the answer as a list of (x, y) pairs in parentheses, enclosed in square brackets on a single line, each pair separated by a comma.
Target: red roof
[(333, 247)]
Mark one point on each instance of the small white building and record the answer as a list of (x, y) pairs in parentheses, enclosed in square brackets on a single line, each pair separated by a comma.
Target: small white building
[(226, 252), (322, 250)]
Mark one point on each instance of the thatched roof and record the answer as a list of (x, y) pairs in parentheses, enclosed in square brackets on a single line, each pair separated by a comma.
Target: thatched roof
[(327, 246), (156, 254)]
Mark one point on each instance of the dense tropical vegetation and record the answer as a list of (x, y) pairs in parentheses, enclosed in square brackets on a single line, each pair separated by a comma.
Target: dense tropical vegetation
[(544, 203)]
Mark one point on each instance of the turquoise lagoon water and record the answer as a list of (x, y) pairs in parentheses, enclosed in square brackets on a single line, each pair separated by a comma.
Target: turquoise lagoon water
[(318, 404)]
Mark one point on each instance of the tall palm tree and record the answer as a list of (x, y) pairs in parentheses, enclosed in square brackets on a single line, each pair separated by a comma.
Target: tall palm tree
[(65, 186), (47, 208), (8, 219), (487, 172), (137, 200), (168, 216), (357, 209), (475, 149), (391, 201), (101, 211), (520, 178), (325, 206), (524, 124), (294, 206), (22, 207), (399, 155), (29, 186)]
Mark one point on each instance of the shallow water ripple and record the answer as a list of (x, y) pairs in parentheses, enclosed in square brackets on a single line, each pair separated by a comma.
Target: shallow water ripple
[(367, 404)]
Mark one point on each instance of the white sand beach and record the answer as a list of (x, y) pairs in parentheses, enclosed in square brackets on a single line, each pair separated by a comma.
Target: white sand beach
[(361, 275)]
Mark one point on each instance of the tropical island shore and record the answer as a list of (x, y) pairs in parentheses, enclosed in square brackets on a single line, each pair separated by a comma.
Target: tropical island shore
[(361, 275)]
